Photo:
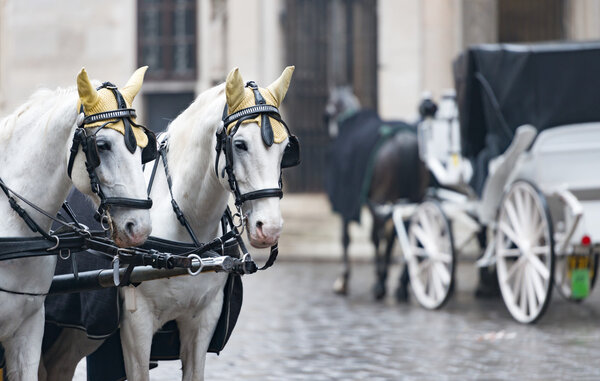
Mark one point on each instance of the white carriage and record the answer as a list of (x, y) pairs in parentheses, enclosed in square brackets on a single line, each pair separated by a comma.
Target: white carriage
[(537, 204)]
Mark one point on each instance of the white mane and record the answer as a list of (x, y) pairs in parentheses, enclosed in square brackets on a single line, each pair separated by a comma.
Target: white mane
[(197, 123), (43, 104)]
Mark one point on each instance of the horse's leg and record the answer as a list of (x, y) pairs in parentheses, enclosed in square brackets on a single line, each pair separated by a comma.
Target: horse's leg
[(488, 286), (402, 290), (387, 259), (379, 288), (62, 358), (23, 349), (197, 331), (341, 284), (137, 329)]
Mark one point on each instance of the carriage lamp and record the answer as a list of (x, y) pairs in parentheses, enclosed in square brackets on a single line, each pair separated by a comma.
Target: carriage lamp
[(586, 240)]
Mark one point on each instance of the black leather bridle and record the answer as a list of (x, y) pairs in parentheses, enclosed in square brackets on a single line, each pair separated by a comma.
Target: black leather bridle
[(291, 155), (92, 158)]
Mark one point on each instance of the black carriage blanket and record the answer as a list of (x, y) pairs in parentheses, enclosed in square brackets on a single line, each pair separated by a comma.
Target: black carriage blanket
[(98, 312), (351, 158)]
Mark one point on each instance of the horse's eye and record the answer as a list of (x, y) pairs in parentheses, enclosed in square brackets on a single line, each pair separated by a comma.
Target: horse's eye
[(241, 145), (103, 145)]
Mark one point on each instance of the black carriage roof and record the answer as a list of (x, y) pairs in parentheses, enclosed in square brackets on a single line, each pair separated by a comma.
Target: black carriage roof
[(503, 86)]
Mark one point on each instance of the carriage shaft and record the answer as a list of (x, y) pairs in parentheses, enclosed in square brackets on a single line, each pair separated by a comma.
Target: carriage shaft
[(99, 279)]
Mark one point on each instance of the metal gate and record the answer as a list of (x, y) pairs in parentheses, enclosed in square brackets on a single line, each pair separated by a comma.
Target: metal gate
[(331, 42)]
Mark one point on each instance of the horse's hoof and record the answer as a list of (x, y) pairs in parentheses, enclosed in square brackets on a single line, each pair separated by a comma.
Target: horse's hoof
[(484, 291), (340, 286), (378, 291), (402, 295), (488, 286)]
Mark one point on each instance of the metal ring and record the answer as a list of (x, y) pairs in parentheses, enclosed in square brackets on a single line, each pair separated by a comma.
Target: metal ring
[(241, 219), (56, 245), (194, 273), (64, 257), (105, 219)]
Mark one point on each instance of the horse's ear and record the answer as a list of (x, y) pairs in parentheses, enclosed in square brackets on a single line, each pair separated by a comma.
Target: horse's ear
[(87, 92), (280, 87), (234, 89), (133, 86)]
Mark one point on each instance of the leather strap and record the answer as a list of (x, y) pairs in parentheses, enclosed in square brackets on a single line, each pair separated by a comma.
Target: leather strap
[(128, 202), (262, 193), (114, 114), (252, 111)]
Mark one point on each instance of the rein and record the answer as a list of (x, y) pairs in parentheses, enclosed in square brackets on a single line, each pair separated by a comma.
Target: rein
[(248, 266), (220, 254), (291, 157)]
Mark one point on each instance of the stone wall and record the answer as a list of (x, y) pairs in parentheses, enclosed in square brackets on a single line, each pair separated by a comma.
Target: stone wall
[(45, 43)]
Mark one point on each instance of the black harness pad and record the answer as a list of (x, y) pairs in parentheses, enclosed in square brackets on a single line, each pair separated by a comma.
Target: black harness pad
[(93, 157), (150, 152), (291, 155)]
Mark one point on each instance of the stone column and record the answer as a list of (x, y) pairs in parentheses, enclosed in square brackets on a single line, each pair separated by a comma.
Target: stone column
[(479, 22), (399, 51), (582, 19), (441, 30), (2, 65)]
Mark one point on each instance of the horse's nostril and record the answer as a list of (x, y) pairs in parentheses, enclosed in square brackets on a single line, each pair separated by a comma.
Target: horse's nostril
[(259, 230), (130, 228)]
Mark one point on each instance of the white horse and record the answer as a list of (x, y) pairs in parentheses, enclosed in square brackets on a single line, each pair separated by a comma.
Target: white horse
[(34, 151), (195, 303)]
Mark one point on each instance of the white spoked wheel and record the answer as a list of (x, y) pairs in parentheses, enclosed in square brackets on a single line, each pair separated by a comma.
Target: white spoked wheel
[(431, 263), (525, 252)]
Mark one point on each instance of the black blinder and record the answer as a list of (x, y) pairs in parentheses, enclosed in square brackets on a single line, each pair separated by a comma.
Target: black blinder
[(92, 155), (150, 152), (229, 150), (291, 155)]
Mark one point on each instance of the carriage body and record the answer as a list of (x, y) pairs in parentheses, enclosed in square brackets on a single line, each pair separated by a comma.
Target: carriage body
[(526, 179)]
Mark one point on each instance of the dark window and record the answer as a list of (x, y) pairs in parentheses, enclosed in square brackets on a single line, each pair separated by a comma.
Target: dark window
[(162, 108), (167, 38)]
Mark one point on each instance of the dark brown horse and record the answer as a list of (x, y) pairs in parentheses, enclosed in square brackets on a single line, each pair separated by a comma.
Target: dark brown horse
[(376, 163)]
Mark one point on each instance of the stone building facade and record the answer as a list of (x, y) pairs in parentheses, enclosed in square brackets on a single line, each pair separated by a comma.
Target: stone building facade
[(391, 50)]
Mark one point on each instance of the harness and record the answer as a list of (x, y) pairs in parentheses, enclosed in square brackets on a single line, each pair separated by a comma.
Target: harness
[(291, 155), (76, 237), (220, 254), (92, 157), (235, 222)]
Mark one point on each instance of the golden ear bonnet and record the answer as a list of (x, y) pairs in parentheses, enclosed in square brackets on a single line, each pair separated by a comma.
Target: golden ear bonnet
[(97, 101), (240, 97), (279, 131)]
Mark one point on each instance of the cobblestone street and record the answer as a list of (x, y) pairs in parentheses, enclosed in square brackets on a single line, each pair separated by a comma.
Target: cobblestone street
[(292, 327)]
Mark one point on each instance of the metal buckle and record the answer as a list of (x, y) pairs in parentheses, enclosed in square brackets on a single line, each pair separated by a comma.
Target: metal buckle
[(64, 257), (189, 270), (56, 245)]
